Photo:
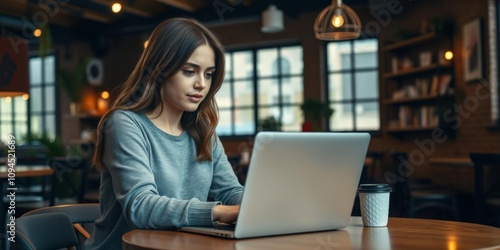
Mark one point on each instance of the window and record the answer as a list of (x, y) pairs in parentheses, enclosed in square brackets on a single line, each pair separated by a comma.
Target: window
[(38, 113), (260, 83), (353, 85), (14, 117), (43, 95)]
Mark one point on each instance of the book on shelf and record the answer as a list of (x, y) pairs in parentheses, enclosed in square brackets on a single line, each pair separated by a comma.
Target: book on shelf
[(433, 117), (405, 116), (423, 116), (435, 85), (444, 84), (422, 85)]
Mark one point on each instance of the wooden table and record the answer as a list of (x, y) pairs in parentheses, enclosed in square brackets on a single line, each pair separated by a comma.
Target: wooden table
[(401, 233), (27, 171), (21, 171)]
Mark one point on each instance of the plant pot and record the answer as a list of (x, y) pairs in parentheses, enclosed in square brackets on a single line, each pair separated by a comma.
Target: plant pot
[(307, 127)]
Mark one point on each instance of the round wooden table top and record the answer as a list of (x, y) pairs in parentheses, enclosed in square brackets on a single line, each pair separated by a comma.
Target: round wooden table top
[(400, 233)]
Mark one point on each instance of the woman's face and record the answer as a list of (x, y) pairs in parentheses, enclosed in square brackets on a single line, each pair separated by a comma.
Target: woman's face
[(188, 88)]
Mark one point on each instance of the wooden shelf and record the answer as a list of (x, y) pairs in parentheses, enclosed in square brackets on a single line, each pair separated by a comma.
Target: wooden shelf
[(416, 70), (416, 99), (417, 114), (415, 41)]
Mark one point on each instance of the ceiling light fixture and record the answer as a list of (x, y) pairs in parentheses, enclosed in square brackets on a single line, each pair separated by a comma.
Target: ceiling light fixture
[(116, 7), (337, 22), (272, 20), (14, 68)]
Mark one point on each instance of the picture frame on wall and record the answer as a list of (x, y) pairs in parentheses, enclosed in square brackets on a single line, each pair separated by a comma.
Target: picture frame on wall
[(473, 50)]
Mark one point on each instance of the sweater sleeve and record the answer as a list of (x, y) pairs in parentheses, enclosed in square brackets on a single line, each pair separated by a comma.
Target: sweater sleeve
[(225, 186), (126, 158)]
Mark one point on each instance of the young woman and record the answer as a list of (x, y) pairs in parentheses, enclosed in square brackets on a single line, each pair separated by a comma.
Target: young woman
[(159, 156)]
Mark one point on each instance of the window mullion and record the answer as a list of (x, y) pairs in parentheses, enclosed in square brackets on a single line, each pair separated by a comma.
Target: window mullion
[(280, 87), (353, 87), (256, 90)]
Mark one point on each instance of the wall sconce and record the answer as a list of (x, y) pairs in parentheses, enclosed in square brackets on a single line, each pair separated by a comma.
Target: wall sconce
[(448, 55), (337, 22), (272, 20), (14, 67), (445, 56)]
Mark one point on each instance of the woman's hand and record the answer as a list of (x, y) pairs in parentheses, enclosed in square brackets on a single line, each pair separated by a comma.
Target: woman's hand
[(225, 214)]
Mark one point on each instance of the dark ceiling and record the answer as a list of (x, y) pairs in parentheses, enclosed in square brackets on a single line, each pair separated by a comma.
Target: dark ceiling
[(80, 19)]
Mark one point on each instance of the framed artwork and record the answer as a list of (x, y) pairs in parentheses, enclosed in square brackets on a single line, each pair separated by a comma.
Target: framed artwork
[(472, 50)]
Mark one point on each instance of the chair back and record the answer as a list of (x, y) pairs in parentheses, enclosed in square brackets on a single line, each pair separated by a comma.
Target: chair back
[(63, 167), (490, 184), (44, 231), (32, 155), (485, 158), (82, 216), (371, 172), (399, 181), (487, 185)]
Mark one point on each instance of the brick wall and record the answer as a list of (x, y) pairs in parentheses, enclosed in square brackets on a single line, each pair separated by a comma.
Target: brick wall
[(473, 133)]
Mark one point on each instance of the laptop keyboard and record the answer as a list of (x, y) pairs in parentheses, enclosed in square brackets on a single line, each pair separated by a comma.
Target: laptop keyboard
[(224, 226)]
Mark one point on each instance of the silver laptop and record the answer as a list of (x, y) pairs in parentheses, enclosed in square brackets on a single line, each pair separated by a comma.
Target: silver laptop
[(298, 182)]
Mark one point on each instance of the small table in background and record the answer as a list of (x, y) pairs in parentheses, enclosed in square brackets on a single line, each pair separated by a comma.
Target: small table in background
[(21, 171), (478, 178)]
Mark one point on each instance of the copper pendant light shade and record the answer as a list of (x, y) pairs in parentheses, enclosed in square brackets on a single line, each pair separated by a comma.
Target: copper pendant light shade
[(337, 22)]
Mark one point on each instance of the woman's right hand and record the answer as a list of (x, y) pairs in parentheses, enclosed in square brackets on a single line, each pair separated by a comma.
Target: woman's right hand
[(226, 214)]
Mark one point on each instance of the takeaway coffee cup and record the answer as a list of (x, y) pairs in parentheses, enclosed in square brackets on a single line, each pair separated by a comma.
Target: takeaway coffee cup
[(374, 202)]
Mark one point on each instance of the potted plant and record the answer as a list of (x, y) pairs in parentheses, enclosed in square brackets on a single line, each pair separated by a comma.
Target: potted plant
[(269, 124), (315, 112), (73, 83)]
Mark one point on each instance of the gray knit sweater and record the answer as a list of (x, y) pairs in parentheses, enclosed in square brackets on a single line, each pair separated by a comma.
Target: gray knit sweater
[(153, 180)]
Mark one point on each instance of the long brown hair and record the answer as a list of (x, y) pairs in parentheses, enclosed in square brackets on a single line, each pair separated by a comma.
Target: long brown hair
[(170, 46)]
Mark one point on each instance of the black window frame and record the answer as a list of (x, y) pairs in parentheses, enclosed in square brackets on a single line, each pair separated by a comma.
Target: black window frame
[(255, 79), (353, 101)]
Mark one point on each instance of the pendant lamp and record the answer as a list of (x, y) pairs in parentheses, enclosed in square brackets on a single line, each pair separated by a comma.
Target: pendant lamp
[(272, 20), (13, 67), (337, 22)]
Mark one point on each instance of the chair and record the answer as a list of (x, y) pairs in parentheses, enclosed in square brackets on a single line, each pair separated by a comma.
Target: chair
[(75, 173), (413, 199), (81, 216), (371, 172), (486, 197), (32, 192), (44, 231)]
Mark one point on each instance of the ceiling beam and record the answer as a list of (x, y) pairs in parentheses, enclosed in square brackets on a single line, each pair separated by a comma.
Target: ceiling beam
[(26, 11), (187, 5), (91, 15), (13, 8), (126, 8)]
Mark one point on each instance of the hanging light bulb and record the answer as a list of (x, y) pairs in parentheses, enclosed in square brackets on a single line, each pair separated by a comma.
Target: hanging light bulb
[(337, 22), (337, 19), (116, 7)]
